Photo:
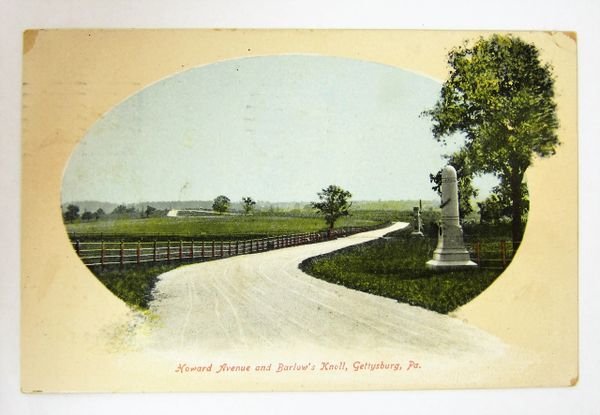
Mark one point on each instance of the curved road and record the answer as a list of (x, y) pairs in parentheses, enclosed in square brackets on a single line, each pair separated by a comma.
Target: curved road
[(263, 302)]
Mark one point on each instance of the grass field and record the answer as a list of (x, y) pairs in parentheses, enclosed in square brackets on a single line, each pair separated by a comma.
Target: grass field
[(133, 285), (395, 268), (208, 228)]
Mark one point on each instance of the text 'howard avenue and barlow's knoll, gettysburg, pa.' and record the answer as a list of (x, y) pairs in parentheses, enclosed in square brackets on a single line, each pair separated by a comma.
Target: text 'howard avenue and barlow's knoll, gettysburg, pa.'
[(280, 367)]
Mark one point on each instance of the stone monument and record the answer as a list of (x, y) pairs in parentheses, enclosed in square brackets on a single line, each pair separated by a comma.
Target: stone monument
[(450, 252), (418, 228)]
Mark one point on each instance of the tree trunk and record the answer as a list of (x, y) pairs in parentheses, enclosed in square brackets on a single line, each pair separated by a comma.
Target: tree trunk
[(517, 211)]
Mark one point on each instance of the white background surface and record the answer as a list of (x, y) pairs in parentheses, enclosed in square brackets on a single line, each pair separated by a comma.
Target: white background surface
[(581, 16)]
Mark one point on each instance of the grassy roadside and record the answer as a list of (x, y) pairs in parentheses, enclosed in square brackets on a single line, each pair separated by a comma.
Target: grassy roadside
[(133, 284), (395, 268)]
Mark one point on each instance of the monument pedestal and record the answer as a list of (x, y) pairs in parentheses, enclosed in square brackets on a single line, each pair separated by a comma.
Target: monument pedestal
[(450, 252)]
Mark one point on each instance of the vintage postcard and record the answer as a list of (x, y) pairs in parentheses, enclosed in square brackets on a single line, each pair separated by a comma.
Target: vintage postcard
[(240, 210)]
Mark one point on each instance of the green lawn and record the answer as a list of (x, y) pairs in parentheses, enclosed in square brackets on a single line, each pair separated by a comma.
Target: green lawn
[(395, 268), (207, 228), (133, 284)]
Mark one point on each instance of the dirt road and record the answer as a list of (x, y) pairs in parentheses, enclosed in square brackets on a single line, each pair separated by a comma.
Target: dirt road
[(263, 302)]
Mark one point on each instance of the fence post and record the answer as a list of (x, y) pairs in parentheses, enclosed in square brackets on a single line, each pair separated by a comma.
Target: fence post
[(503, 253), (237, 247), (478, 252), (138, 252), (180, 249), (154, 251), (121, 253), (102, 254), (221, 249), (169, 250), (77, 248), (192, 250), (202, 250), (212, 255)]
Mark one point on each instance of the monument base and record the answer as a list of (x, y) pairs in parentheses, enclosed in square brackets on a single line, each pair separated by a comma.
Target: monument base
[(437, 265)]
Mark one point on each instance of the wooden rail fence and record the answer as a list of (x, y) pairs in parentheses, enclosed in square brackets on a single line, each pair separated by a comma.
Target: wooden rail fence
[(102, 253), (491, 254)]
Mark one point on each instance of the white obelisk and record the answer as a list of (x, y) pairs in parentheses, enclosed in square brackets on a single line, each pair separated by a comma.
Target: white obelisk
[(450, 252)]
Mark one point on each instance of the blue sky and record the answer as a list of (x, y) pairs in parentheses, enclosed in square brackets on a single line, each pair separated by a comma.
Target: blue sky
[(277, 128)]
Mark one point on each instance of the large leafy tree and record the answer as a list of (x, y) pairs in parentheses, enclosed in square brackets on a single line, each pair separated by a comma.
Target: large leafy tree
[(501, 97), (334, 202)]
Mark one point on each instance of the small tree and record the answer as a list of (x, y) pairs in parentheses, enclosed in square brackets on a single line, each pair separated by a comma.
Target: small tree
[(87, 216), (248, 204), (71, 213), (99, 213), (221, 204), (497, 208), (119, 210), (334, 203), (149, 211)]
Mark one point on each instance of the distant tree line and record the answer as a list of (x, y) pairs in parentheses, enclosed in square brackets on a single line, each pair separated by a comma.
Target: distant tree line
[(72, 213)]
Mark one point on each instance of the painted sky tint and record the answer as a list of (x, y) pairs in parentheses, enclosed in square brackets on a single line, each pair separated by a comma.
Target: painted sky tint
[(276, 128)]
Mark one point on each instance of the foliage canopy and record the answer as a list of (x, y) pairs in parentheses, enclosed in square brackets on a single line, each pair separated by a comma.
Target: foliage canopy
[(248, 204), (71, 213), (334, 203), (501, 97), (221, 204)]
